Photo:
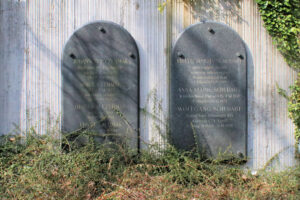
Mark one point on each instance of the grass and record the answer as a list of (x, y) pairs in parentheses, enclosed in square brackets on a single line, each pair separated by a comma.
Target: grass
[(40, 169)]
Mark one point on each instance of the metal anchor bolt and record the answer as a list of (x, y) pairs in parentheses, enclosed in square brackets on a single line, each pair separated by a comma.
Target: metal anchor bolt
[(180, 55), (102, 30), (131, 55), (212, 31), (240, 56), (72, 56)]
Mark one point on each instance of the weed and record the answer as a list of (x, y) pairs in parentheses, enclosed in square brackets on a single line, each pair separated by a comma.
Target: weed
[(37, 169)]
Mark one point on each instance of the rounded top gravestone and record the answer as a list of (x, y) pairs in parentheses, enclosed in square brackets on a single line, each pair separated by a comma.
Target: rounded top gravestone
[(100, 72), (208, 92)]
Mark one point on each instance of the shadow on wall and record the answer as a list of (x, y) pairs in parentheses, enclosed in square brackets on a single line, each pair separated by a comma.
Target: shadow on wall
[(214, 10), (12, 50)]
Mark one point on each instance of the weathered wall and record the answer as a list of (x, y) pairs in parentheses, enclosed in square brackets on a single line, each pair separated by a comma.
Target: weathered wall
[(51, 22), (12, 63), (33, 33)]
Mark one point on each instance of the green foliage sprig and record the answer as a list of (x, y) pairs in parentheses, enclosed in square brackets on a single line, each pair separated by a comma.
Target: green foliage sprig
[(282, 20), (294, 107)]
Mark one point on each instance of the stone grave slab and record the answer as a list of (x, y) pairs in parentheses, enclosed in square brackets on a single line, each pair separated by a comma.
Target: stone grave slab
[(100, 80), (208, 91)]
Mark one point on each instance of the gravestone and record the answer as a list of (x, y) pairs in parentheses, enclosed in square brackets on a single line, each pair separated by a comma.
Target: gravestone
[(208, 92), (100, 73)]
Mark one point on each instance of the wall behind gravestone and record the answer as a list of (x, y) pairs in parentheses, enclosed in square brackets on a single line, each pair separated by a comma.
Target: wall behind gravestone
[(49, 25), (30, 78), (12, 63)]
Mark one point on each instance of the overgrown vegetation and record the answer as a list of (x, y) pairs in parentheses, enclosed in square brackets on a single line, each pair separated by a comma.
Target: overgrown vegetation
[(38, 169), (294, 109), (282, 20)]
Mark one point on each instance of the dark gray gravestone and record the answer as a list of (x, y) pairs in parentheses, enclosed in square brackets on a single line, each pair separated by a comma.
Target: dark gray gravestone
[(208, 99), (100, 71)]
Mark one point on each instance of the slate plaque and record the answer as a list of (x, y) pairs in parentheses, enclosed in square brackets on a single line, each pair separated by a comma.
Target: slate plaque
[(100, 72), (208, 97)]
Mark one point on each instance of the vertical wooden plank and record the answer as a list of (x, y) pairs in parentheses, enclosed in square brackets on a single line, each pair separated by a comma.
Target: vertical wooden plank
[(43, 65), (81, 10), (55, 68), (12, 48), (148, 27), (30, 64)]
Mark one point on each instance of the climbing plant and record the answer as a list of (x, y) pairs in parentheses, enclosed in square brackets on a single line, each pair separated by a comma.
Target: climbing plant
[(282, 20), (294, 108)]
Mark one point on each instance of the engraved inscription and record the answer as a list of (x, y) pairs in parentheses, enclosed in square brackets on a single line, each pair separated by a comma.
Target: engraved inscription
[(208, 105), (100, 83)]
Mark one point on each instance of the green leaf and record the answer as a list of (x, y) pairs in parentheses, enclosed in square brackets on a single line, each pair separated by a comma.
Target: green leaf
[(161, 7)]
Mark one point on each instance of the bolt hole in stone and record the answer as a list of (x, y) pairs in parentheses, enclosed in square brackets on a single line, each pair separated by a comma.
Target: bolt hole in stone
[(72, 56), (131, 55), (240, 56), (102, 30), (211, 30), (180, 55)]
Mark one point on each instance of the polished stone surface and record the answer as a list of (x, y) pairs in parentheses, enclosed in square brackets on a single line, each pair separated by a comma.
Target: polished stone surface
[(100, 72), (208, 91)]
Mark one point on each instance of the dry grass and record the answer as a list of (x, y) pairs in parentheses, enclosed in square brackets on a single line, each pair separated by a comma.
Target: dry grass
[(38, 170), (141, 186)]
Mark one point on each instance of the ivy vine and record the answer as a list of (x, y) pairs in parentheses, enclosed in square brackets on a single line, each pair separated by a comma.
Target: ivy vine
[(294, 109), (282, 20)]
